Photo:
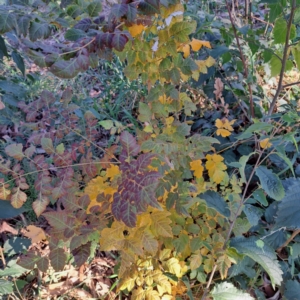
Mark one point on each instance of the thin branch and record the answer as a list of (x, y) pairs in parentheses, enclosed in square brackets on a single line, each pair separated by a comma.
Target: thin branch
[(79, 48), (284, 58), (290, 84), (209, 283), (296, 232), (242, 58)]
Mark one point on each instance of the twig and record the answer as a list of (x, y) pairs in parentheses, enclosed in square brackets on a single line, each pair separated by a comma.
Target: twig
[(262, 21), (288, 240), (242, 58), (284, 58), (290, 84), (79, 48), (209, 283), (2, 257)]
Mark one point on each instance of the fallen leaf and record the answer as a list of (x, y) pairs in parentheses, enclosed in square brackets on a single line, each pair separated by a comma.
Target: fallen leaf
[(34, 233), (5, 227)]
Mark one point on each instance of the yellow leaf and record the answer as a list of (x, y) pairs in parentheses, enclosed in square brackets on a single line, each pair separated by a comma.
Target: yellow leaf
[(186, 50), (173, 266), (169, 121), (152, 295), (215, 167), (265, 143), (4, 192), (161, 224), (202, 66), (112, 171), (95, 187), (148, 128), (36, 234), (163, 285), (195, 260), (224, 127), (128, 281), (209, 61), (138, 294), (223, 132), (197, 44), (136, 29), (197, 167)]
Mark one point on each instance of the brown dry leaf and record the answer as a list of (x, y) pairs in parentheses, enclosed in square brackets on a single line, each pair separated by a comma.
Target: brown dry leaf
[(36, 234), (5, 227), (2, 106), (218, 88)]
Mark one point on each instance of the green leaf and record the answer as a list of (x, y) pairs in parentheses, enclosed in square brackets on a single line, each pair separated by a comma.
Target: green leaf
[(15, 151), (270, 182), (16, 245), (215, 201), (39, 30), (94, 8), (47, 145), (7, 211), (23, 25), (65, 69), (175, 76), (74, 11), (241, 226), (149, 7), (280, 31), (18, 59), (181, 242), (145, 113), (296, 54), (243, 161), (12, 269), (181, 30), (275, 65), (255, 128), (292, 290), (259, 196), (7, 22), (227, 291), (107, 124), (289, 208), (6, 287), (3, 48), (74, 34), (265, 256)]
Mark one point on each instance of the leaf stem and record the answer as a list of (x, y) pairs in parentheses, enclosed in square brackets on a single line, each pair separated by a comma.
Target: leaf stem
[(284, 58)]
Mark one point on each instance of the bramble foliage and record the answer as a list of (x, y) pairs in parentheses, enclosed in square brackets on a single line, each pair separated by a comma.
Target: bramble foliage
[(179, 201)]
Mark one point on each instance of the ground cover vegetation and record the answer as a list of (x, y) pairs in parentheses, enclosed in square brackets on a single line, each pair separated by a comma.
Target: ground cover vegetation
[(149, 149)]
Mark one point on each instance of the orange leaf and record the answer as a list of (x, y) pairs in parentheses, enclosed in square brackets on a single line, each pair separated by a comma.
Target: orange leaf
[(186, 51), (34, 233), (136, 29), (223, 132), (197, 44)]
